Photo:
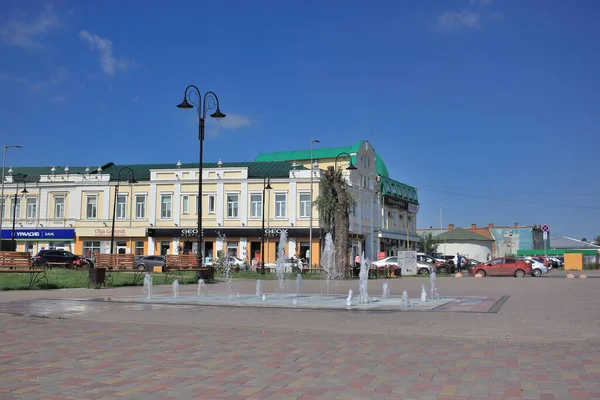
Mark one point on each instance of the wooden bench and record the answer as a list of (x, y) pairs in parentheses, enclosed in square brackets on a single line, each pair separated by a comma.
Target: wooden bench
[(114, 263), (177, 264), (14, 262)]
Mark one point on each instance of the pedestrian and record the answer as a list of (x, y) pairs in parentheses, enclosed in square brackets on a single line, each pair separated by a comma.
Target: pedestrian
[(458, 261), (357, 260)]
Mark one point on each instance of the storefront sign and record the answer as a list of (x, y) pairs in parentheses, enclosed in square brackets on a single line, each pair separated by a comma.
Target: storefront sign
[(105, 232), (40, 234), (230, 232), (395, 202), (413, 208)]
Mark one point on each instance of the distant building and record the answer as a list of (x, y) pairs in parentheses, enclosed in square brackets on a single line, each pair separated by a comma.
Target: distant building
[(507, 240), (467, 243)]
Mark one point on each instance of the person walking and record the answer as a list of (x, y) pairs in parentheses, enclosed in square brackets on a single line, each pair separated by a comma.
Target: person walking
[(458, 261)]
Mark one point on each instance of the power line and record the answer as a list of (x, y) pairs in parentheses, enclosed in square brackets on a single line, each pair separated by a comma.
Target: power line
[(512, 200), (513, 192)]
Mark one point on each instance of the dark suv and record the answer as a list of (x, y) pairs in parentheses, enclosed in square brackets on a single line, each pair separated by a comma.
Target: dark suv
[(55, 257)]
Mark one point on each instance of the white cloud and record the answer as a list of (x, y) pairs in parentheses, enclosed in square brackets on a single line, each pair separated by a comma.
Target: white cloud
[(110, 64), (230, 122), (12, 78), (23, 33), (451, 20)]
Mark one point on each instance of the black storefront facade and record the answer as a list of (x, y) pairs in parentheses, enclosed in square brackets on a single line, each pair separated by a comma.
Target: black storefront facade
[(244, 243), (391, 240)]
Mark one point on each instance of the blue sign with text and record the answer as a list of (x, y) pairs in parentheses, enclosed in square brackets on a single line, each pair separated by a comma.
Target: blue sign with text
[(39, 234)]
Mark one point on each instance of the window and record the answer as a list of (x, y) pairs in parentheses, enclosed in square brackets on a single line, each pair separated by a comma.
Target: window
[(15, 208), (165, 206), (59, 207), (140, 206), (91, 211), (31, 207), (2, 206), (232, 249), (121, 206), (90, 249), (139, 248), (256, 205), (280, 205), (185, 204), (232, 205), (211, 203), (304, 205)]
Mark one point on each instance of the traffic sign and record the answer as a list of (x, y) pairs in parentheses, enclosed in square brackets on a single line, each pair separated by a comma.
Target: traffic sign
[(545, 228), (545, 235)]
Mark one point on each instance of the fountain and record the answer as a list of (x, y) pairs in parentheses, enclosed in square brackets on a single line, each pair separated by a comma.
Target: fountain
[(148, 286), (299, 285), (405, 299), (363, 297), (385, 289), (228, 278), (264, 297), (201, 287), (423, 294), (258, 287), (280, 262), (175, 289), (433, 290), (349, 298), (328, 264)]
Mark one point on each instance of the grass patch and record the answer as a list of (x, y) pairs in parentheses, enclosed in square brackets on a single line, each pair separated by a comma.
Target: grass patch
[(69, 279)]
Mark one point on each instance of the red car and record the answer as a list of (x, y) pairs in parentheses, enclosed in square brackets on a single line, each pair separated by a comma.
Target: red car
[(502, 266)]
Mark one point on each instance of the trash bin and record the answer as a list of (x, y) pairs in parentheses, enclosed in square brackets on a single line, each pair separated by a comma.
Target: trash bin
[(97, 276)]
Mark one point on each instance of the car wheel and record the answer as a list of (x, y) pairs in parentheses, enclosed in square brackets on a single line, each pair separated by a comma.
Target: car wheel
[(519, 273), (423, 271), (442, 270), (481, 272), (537, 272), (141, 266)]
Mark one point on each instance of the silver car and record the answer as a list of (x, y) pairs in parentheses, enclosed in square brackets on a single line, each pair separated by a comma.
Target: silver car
[(149, 262)]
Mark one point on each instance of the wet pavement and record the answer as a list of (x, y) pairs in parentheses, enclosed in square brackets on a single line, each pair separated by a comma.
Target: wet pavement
[(541, 343)]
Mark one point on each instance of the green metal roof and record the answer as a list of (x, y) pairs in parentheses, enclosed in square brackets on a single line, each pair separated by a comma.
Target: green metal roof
[(323, 152), (459, 234), (277, 169), (390, 187)]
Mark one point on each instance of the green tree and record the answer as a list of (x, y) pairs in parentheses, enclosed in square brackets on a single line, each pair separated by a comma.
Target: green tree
[(584, 240), (597, 240), (427, 244), (334, 204)]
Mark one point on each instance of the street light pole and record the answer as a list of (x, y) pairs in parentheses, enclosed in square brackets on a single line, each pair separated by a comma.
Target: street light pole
[(193, 98), (131, 181), (2, 195), (310, 253), (266, 185), (12, 236)]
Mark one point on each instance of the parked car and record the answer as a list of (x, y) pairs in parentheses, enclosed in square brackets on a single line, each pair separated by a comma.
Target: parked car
[(236, 263), (393, 260), (537, 265), (55, 257), (503, 266), (425, 263), (149, 262), (82, 263)]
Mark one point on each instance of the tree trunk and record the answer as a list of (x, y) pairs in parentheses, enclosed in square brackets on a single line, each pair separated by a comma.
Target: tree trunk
[(341, 226)]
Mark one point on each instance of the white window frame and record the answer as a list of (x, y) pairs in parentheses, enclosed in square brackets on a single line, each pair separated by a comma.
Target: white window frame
[(30, 207), (212, 201), (165, 213), (143, 208), (235, 204), (302, 205), (2, 207), (60, 206), (185, 204), (278, 205), (121, 211), (88, 204), (15, 207), (256, 206)]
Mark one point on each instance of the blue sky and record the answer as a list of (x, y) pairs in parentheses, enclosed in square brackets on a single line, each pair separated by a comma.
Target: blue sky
[(489, 107)]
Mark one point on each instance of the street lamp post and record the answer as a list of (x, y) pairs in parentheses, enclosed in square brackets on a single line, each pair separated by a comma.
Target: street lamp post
[(266, 185), (350, 167), (24, 191), (310, 253), (195, 100), (2, 200), (131, 181)]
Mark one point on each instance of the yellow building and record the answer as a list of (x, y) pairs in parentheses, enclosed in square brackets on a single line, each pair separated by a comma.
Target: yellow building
[(154, 206)]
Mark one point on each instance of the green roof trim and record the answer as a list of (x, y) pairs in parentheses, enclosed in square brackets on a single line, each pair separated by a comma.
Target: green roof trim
[(390, 187), (276, 169), (556, 252), (323, 152), (459, 234)]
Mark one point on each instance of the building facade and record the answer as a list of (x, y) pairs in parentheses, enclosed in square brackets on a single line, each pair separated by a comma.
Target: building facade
[(73, 208)]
